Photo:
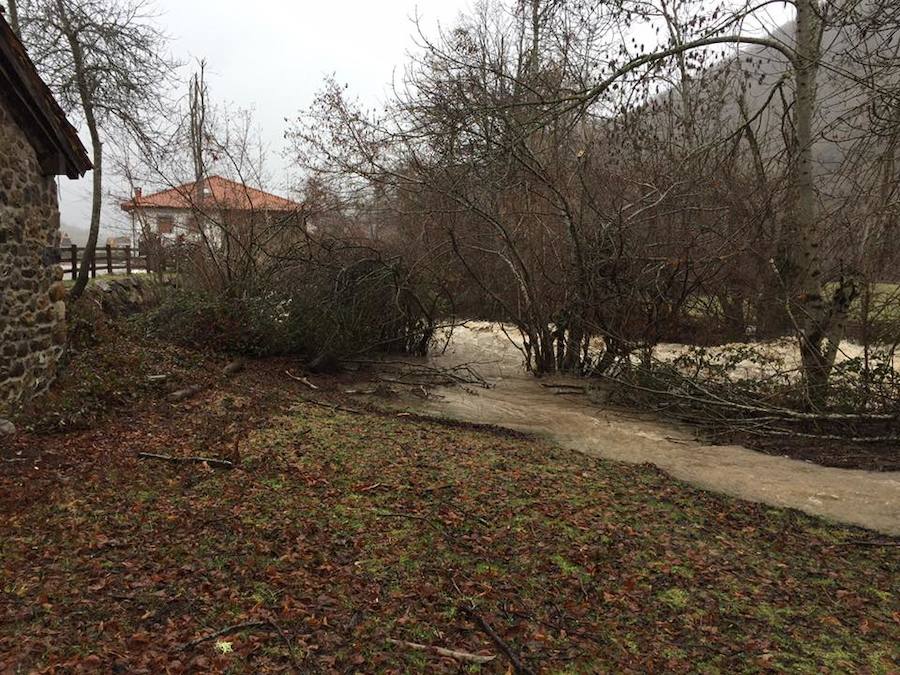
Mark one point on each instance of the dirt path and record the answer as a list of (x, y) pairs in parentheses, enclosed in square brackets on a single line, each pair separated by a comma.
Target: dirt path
[(517, 401)]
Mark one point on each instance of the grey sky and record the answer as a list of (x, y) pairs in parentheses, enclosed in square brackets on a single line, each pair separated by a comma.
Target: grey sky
[(271, 56)]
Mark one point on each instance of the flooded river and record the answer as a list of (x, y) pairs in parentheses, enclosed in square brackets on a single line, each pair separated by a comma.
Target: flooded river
[(521, 402)]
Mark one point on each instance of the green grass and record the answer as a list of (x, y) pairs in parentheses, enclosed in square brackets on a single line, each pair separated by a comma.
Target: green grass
[(346, 530)]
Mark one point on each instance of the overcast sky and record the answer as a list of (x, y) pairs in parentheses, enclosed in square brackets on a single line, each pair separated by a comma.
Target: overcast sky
[(272, 55)]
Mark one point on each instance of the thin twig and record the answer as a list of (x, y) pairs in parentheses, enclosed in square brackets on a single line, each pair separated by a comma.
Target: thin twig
[(226, 631), (332, 406), (199, 460), (287, 642), (514, 658)]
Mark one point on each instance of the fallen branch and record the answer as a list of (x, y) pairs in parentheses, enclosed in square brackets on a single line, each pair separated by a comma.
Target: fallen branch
[(862, 542), (392, 514), (332, 406), (823, 437), (575, 387), (440, 651), (227, 631), (302, 380), (224, 463), (463, 373), (514, 658), (287, 642), (773, 412), (182, 394)]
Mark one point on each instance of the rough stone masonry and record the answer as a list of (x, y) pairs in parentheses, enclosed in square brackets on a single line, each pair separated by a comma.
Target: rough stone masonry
[(32, 307)]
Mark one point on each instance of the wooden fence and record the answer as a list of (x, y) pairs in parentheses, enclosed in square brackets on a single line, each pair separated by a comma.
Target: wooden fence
[(108, 259)]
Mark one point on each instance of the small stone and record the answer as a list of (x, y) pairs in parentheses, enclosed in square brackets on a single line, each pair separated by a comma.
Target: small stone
[(57, 292), (7, 428), (233, 367)]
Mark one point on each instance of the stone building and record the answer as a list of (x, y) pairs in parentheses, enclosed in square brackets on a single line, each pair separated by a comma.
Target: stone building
[(37, 144)]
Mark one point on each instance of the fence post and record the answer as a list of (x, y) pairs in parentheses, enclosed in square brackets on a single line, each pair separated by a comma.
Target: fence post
[(109, 268), (128, 260), (74, 250), (93, 264)]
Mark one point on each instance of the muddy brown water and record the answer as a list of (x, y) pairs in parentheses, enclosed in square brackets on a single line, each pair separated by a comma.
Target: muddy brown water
[(519, 401)]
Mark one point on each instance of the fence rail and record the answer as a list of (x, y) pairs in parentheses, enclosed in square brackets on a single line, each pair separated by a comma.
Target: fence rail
[(108, 259)]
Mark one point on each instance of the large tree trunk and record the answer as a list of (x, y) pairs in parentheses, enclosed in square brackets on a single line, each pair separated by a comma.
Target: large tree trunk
[(821, 323), (809, 304)]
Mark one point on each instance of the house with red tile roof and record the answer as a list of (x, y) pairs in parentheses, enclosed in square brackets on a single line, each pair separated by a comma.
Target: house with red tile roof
[(212, 204)]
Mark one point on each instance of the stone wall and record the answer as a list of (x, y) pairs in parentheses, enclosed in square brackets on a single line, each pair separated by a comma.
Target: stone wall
[(122, 296), (32, 310)]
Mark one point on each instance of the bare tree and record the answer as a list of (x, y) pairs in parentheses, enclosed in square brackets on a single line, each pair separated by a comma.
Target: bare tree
[(105, 59), (527, 134), (13, 16)]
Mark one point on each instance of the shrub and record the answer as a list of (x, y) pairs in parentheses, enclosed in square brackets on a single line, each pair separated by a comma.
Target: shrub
[(322, 313)]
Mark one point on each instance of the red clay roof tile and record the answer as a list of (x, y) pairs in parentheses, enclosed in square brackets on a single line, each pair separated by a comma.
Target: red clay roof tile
[(221, 193)]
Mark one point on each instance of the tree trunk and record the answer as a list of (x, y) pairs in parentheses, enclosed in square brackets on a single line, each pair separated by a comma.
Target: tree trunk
[(809, 307), (96, 146), (90, 248), (14, 17)]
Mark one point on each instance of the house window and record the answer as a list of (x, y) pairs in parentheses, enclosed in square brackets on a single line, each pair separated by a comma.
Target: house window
[(165, 224)]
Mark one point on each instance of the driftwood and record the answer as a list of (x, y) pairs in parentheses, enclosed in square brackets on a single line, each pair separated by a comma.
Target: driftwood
[(441, 651), (212, 461)]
